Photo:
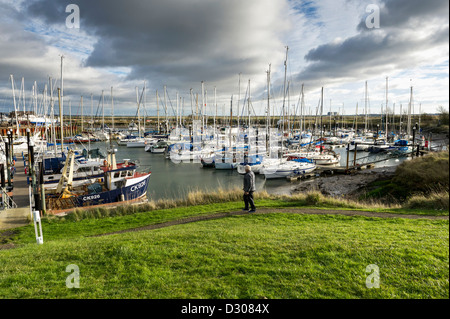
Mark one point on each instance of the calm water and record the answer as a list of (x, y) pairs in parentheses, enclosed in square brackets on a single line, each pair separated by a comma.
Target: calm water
[(170, 180)]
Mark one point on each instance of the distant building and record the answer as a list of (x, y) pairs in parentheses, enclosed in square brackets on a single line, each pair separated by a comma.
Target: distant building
[(333, 113)]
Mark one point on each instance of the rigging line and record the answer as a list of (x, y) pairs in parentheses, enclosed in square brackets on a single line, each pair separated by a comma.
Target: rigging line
[(170, 102)]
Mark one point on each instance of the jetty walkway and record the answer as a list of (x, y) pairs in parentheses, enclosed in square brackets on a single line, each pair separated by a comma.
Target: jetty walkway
[(20, 216)]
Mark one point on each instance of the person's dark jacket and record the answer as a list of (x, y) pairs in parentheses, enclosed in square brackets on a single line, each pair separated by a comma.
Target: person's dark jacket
[(249, 182)]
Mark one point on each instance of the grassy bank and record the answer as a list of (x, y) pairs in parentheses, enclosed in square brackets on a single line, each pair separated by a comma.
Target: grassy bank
[(90, 222), (421, 183), (249, 256), (273, 255)]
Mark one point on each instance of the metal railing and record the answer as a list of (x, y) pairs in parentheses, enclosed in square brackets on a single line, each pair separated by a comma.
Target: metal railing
[(6, 202)]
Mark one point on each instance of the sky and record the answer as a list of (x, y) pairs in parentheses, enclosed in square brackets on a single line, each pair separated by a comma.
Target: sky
[(228, 45)]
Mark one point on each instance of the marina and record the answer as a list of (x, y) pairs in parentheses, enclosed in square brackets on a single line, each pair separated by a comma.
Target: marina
[(87, 161), (222, 157)]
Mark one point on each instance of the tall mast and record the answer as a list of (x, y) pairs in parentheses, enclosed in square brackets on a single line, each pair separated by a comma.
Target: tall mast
[(231, 118), (284, 99), (70, 117), (302, 104), (23, 96), (387, 87), (248, 105), (138, 112), (82, 128), (215, 113), (92, 111), (268, 99), (192, 103), (239, 100), (52, 105), (284, 95), (321, 112), (268, 113), (61, 120), (145, 110), (157, 110), (15, 106), (103, 112), (35, 98), (365, 103), (62, 100), (165, 109), (112, 108), (176, 118), (202, 109), (409, 113)]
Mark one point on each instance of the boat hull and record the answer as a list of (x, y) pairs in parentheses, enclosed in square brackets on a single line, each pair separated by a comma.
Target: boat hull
[(135, 189)]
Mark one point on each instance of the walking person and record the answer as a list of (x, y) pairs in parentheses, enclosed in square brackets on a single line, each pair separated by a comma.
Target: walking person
[(249, 188)]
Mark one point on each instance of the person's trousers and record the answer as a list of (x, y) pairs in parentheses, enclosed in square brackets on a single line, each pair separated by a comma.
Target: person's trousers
[(248, 199)]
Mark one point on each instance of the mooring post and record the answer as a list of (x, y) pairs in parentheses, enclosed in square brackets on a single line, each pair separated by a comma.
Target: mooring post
[(41, 184), (348, 155), (8, 164), (354, 156)]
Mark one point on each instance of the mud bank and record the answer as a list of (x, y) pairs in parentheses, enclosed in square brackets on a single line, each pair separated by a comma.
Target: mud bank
[(344, 185)]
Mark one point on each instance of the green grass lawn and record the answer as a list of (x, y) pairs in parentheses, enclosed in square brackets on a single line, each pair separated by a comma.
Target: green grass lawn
[(274, 255), (71, 227)]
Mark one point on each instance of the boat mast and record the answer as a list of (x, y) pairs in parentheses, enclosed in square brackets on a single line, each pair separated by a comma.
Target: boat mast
[(176, 118), (231, 119), (112, 108), (284, 101), (215, 113), (138, 113), (321, 112), (157, 110), (409, 113), (103, 111), (365, 102), (239, 100), (202, 108), (145, 110), (302, 104), (52, 106), (15, 105), (82, 124), (268, 112), (248, 105), (62, 105), (61, 120), (387, 87), (70, 117)]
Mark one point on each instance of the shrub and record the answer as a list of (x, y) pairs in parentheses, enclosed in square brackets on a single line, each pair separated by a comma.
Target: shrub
[(434, 201)]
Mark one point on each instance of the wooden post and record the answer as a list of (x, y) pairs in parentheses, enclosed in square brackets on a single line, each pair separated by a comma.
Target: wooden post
[(354, 158), (348, 154)]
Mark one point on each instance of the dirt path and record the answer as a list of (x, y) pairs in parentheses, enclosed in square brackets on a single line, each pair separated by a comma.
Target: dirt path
[(274, 210)]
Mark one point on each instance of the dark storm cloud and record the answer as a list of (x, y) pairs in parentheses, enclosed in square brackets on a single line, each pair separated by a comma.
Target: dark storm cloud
[(191, 40), (407, 28)]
